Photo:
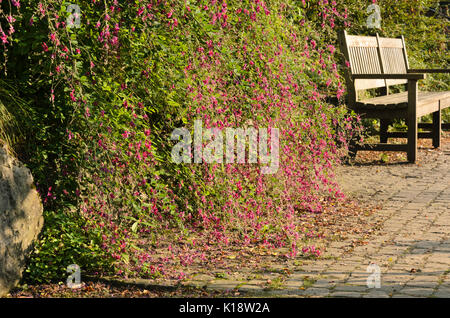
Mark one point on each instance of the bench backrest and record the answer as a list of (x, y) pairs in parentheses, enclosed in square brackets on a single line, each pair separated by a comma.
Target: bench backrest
[(373, 55)]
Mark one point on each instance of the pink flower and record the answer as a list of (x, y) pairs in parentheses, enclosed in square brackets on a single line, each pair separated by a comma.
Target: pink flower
[(331, 48), (72, 96), (4, 38)]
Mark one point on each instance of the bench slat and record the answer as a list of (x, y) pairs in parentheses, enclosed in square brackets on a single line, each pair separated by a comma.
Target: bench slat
[(391, 43), (428, 70), (361, 41), (401, 99), (382, 147)]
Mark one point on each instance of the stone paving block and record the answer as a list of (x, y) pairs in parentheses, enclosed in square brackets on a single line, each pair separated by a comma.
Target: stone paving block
[(415, 206), (281, 293), (417, 250), (335, 276), (223, 285), (402, 296), (357, 281), (301, 276), (314, 268), (376, 293), (394, 204), (389, 288), (250, 289), (443, 248), (324, 283), (434, 271), (358, 260), (315, 291), (399, 279), (417, 291), (350, 288), (339, 270), (446, 279), (414, 259), (440, 259), (197, 283), (359, 273), (433, 238), (439, 229), (442, 293), (392, 250), (427, 281), (293, 284), (346, 294)]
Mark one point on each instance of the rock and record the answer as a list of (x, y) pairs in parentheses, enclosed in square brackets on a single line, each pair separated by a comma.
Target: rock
[(21, 219)]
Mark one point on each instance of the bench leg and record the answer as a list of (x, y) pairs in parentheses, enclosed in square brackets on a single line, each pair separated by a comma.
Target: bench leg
[(384, 125), (412, 140), (437, 129), (352, 149), (412, 120)]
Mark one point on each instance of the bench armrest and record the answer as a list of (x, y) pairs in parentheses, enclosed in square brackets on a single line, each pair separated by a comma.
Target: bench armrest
[(427, 70), (408, 76)]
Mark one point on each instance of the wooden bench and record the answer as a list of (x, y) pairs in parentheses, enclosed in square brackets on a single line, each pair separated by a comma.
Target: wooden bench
[(377, 62)]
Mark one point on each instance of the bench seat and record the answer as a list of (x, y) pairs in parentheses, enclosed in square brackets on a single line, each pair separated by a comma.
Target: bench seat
[(427, 102)]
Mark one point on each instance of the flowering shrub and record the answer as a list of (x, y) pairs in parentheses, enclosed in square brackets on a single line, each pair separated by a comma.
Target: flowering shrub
[(131, 72)]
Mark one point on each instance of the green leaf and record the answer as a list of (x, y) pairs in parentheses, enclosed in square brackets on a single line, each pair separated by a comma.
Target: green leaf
[(134, 226)]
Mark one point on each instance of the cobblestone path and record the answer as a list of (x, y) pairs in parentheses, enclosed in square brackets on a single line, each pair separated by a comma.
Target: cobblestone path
[(412, 250)]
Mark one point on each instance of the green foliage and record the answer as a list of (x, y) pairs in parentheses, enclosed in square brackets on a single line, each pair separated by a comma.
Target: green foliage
[(63, 242), (15, 114)]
